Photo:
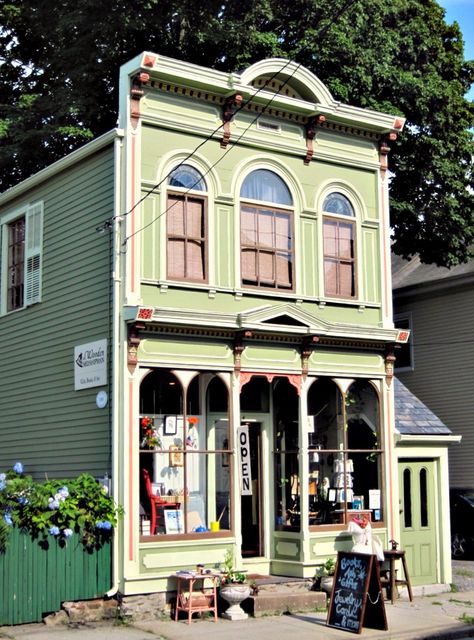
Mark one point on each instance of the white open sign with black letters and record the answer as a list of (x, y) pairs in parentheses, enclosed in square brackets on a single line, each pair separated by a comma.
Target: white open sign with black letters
[(243, 444)]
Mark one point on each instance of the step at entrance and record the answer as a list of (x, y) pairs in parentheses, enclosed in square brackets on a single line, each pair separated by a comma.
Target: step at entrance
[(280, 594)]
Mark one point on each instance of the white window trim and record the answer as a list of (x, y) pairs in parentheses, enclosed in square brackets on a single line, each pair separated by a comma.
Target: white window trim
[(33, 254)]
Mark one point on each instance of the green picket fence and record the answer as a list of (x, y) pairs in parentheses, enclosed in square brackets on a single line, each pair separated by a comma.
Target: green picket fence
[(35, 581)]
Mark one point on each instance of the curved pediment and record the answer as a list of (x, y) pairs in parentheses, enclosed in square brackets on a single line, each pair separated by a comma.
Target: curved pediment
[(299, 82)]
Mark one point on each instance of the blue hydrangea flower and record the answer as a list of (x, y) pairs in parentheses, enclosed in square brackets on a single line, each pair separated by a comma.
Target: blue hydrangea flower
[(53, 504), (63, 493), (3, 477), (22, 500), (2, 485), (103, 524), (67, 533), (18, 467), (8, 519), (54, 530)]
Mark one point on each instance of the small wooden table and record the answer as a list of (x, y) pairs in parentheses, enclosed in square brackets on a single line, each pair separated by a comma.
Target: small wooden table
[(193, 596), (392, 555)]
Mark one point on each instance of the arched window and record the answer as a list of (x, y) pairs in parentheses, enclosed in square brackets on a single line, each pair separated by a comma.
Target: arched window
[(339, 246), (266, 231), (186, 225)]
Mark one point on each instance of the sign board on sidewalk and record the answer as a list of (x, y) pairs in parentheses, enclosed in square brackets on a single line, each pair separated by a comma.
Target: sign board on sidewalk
[(357, 598)]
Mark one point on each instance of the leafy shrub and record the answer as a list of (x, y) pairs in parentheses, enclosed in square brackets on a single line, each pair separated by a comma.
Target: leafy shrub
[(56, 507)]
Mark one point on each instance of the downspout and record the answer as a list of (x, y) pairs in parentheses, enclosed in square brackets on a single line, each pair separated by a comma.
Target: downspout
[(116, 340)]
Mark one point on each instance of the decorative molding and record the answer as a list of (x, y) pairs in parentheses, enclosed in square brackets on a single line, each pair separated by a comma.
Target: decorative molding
[(133, 343), (384, 150), (294, 379), (307, 348), (389, 364), (239, 347), (136, 94), (231, 105), (311, 134)]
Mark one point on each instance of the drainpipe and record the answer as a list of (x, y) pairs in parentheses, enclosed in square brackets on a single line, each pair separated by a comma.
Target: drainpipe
[(116, 351)]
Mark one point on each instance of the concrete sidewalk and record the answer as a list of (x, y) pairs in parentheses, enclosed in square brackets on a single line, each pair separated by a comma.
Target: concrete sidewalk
[(437, 616)]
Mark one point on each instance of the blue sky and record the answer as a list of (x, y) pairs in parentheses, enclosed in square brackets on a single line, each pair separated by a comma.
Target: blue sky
[(462, 11)]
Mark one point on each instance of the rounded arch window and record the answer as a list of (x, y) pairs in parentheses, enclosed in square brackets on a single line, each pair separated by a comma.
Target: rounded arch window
[(265, 185), (266, 232), (338, 203), (186, 226), (187, 177)]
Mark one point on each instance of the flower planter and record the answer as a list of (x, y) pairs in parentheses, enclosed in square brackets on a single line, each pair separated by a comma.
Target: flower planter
[(234, 594)]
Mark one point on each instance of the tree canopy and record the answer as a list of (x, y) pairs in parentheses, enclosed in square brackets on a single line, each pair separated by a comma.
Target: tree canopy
[(59, 68)]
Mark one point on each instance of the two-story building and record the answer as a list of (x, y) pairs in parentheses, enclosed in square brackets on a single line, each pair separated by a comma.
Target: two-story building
[(199, 305)]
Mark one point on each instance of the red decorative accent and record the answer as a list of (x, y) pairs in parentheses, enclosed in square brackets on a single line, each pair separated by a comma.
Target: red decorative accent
[(403, 336), (149, 61), (145, 313), (398, 124), (294, 379), (230, 106), (311, 134)]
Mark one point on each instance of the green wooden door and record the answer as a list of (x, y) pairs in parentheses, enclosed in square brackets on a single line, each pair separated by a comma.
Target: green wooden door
[(417, 525)]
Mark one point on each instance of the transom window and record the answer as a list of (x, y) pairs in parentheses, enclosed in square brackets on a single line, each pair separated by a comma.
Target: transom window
[(339, 247), (266, 232), (186, 226)]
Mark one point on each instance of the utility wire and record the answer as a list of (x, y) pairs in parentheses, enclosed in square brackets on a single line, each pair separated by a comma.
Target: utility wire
[(347, 5)]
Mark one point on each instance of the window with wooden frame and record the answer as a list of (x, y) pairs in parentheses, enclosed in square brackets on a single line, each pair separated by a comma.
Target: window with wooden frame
[(22, 259), (266, 231), (339, 247), (186, 225)]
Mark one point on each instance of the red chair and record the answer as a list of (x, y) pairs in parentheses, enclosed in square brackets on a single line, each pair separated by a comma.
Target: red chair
[(157, 504)]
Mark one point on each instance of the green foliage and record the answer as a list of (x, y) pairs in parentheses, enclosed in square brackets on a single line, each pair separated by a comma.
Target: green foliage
[(229, 574), (59, 85), (326, 569), (56, 507)]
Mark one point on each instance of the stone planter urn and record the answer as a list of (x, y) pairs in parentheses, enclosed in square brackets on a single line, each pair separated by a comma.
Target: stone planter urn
[(234, 594)]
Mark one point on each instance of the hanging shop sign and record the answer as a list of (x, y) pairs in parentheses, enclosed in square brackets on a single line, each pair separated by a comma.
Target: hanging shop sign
[(244, 460), (90, 365)]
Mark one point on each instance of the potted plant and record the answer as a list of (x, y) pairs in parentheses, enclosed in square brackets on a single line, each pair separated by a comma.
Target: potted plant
[(324, 576), (233, 589)]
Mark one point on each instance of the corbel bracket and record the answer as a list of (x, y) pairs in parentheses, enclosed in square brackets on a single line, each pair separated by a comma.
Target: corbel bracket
[(384, 149), (307, 347), (389, 363), (133, 343), (231, 105), (310, 127), (136, 94), (239, 347)]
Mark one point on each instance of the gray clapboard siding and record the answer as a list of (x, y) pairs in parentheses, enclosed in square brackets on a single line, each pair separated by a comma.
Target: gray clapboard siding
[(51, 428), (444, 368)]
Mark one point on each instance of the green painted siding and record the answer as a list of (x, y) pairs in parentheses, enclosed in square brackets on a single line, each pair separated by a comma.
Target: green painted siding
[(444, 367), (51, 428)]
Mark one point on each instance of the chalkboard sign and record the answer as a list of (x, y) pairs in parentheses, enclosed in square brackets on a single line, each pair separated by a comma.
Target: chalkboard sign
[(356, 598)]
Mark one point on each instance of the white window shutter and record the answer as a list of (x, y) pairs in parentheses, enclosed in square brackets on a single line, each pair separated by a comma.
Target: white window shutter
[(33, 251)]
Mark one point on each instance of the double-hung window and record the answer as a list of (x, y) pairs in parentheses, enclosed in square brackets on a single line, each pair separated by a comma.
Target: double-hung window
[(186, 225), (339, 247), (22, 236), (266, 231)]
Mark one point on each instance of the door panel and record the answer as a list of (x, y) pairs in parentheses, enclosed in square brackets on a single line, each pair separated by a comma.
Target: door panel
[(251, 505), (417, 519)]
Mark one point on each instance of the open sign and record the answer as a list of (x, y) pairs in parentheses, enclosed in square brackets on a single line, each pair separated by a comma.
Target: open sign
[(244, 460)]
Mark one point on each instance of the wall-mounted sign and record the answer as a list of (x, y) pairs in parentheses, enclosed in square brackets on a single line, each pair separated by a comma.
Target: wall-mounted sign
[(90, 365), (243, 444)]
